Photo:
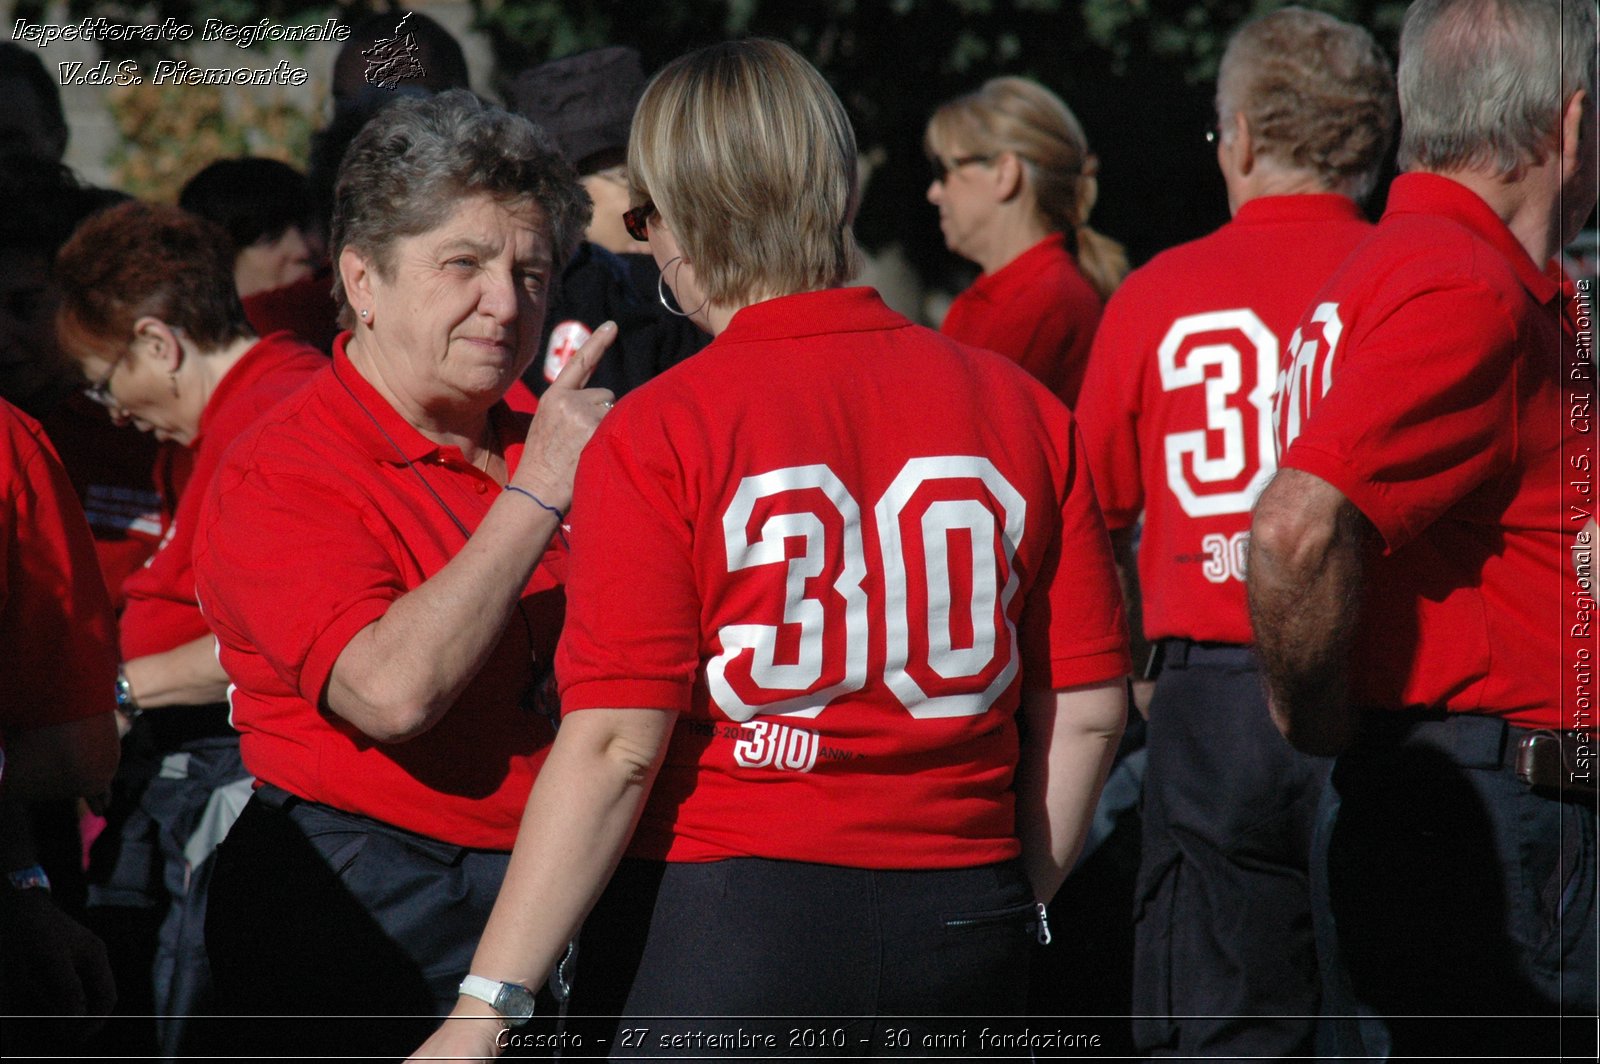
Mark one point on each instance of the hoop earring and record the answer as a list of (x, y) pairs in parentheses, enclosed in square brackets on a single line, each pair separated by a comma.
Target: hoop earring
[(661, 291)]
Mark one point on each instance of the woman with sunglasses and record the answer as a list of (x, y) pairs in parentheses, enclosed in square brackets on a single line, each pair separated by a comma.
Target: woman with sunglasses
[(820, 573), (150, 315), (1014, 182)]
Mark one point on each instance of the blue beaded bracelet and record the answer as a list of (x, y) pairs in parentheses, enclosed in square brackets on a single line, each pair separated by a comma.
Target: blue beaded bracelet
[(561, 518)]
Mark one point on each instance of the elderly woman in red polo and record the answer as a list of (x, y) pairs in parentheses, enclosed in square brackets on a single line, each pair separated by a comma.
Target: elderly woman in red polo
[(373, 561)]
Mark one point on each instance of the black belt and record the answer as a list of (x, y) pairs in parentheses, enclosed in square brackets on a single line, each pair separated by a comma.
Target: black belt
[(1181, 653), (1559, 760), (1548, 760)]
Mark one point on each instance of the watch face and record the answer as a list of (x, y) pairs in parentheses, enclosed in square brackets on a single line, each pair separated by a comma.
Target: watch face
[(514, 1003)]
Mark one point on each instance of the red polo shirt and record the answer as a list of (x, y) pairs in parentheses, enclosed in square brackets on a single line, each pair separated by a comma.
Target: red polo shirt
[(161, 612), (55, 617), (840, 544), (323, 514), (1176, 408), (1426, 384), (1037, 310)]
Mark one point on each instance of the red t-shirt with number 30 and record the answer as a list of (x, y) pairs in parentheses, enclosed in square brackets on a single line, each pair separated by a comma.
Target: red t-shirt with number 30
[(1176, 410), (839, 544)]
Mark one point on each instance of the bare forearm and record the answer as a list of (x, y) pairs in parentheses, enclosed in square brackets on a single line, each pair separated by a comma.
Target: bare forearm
[(187, 675), (1305, 584), (400, 674), (578, 821), (580, 815), (1072, 738)]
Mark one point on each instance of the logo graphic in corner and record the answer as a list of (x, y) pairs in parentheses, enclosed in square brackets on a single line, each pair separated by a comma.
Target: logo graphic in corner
[(391, 60)]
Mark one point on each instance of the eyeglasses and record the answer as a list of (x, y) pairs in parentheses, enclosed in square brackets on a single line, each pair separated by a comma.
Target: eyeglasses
[(941, 168), (100, 390), (637, 220)]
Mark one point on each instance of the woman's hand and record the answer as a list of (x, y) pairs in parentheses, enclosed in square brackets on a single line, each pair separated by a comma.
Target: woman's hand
[(472, 1032), (400, 674), (567, 416)]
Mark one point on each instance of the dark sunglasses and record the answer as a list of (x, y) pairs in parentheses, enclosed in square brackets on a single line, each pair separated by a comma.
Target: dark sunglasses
[(941, 169), (637, 220)]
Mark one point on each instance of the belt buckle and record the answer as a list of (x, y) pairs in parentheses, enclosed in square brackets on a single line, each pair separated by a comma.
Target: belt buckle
[(1539, 762)]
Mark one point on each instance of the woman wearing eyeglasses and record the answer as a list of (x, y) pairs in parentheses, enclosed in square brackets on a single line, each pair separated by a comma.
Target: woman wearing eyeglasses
[(1014, 182), (816, 583), (149, 313)]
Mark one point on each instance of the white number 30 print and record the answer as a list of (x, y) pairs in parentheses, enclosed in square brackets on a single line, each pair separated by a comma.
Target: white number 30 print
[(932, 675), (1204, 351)]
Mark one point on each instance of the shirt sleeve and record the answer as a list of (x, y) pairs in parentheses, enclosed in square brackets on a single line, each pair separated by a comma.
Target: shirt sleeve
[(1074, 630), (55, 613), (290, 569), (1108, 415), (1421, 410), (632, 635)]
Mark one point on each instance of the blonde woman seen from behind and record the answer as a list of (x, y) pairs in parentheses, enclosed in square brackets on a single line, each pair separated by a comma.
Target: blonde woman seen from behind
[(814, 796)]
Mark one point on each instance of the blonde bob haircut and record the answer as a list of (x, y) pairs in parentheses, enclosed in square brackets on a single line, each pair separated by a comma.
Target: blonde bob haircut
[(749, 156), (1022, 116)]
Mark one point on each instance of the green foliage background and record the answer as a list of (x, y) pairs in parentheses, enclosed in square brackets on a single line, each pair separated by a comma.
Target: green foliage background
[(1137, 72)]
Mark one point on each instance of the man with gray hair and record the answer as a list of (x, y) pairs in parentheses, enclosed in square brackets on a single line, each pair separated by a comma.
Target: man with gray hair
[(1409, 566), (1177, 421)]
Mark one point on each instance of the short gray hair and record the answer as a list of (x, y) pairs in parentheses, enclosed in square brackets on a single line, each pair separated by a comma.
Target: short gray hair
[(1477, 88), (411, 166), (1317, 92)]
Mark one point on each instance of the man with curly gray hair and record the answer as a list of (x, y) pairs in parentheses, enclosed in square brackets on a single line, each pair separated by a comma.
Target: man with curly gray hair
[(1176, 421), (1176, 415)]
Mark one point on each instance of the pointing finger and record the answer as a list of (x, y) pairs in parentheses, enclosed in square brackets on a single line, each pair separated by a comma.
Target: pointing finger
[(576, 373)]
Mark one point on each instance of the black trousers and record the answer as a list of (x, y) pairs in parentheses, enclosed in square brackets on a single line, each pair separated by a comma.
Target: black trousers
[(1455, 907), (358, 929), (1224, 961), (799, 960)]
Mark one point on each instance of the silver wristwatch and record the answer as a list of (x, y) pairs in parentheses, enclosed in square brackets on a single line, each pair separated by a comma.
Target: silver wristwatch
[(125, 703), (513, 1001)]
